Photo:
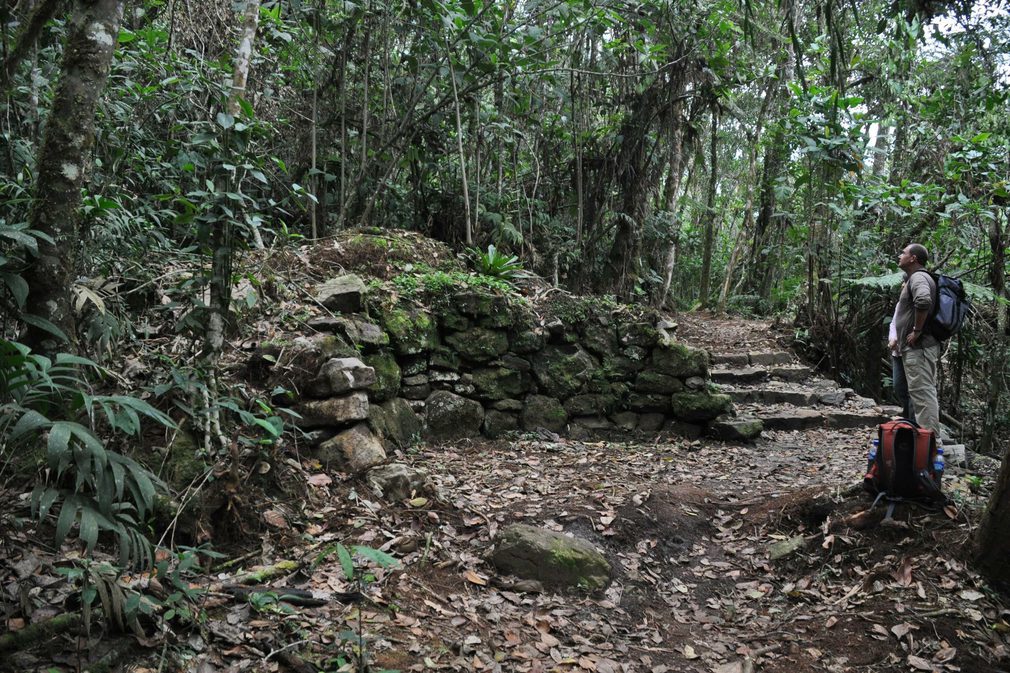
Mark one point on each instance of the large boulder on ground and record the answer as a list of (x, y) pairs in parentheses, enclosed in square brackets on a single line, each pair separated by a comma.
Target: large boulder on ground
[(354, 450), (680, 361), (554, 559), (397, 481), (340, 375), (395, 422), (343, 294), (540, 411), (335, 411), (699, 407), (450, 416), (562, 371), (479, 344)]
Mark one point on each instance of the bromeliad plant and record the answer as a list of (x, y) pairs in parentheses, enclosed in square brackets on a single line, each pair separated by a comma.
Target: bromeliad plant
[(94, 489), (497, 264)]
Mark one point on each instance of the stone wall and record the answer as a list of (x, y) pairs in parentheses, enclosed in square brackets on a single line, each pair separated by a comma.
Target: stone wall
[(483, 363)]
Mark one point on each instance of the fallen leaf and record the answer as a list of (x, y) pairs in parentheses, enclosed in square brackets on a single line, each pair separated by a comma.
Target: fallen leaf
[(919, 663), (903, 574), (275, 519), (903, 629), (970, 595), (320, 480), (417, 502), (731, 667), (689, 652), (950, 511), (475, 578), (549, 640), (945, 655), (831, 622)]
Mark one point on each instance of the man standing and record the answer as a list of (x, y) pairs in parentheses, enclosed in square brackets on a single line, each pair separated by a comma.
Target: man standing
[(919, 351)]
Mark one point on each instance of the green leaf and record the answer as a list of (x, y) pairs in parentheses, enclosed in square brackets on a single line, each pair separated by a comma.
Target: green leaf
[(18, 287), (380, 557), (45, 326), (346, 562), (225, 120), (68, 514), (89, 530), (58, 445), (30, 421), (246, 106)]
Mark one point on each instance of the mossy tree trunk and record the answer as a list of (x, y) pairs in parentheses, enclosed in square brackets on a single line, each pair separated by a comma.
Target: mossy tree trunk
[(992, 543), (63, 165)]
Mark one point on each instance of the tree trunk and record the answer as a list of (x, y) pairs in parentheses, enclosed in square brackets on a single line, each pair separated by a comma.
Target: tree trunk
[(63, 164), (222, 244), (992, 544), (709, 219)]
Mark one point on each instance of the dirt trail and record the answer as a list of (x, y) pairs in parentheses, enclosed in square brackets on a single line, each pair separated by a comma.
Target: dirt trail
[(688, 526)]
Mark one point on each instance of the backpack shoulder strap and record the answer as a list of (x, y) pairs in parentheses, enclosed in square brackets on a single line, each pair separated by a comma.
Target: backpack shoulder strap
[(925, 449)]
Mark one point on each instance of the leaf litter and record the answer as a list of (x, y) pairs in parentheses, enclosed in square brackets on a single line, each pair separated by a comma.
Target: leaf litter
[(686, 524)]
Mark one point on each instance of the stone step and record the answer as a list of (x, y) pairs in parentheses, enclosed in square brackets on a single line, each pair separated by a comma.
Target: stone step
[(758, 359), (772, 358), (955, 455), (732, 359), (793, 374), (739, 375), (797, 397), (806, 419)]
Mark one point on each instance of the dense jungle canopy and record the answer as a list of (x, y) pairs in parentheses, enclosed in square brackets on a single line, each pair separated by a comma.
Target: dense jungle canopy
[(756, 158)]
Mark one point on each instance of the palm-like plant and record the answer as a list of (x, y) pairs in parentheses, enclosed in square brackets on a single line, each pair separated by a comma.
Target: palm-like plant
[(49, 400)]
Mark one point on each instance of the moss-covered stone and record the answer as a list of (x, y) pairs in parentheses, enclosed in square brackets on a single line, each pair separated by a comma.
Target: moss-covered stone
[(621, 368), (540, 411), (478, 344), (653, 382), (562, 371), (452, 319), (649, 402), (451, 416), (736, 429), (482, 303), (411, 331), (641, 334), (528, 341), (184, 464), (387, 376), (499, 383), (556, 560), (680, 361), (444, 358), (590, 405), (395, 422), (600, 338), (700, 406), (343, 293), (499, 423)]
